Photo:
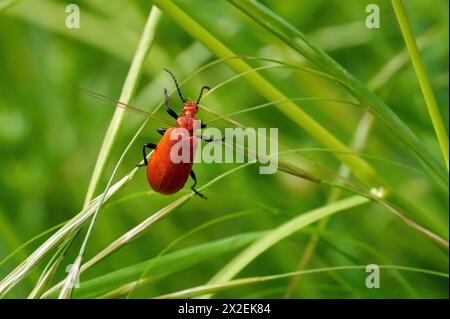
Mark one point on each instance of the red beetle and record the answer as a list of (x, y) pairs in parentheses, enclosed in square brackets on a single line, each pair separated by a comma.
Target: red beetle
[(163, 175)]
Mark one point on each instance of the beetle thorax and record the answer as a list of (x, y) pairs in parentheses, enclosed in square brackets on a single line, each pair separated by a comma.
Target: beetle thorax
[(187, 122)]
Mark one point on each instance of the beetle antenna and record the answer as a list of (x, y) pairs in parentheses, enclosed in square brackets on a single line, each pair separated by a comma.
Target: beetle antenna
[(176, 84), (201, 93)]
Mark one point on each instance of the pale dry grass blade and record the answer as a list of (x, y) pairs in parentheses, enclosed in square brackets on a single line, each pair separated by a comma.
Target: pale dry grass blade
[(140, 229), (45, 278), (238, 263), (212, 288), (128, 90), (57, 238)]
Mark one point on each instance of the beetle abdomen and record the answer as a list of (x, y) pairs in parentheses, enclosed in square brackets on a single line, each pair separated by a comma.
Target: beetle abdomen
[(164, 175)]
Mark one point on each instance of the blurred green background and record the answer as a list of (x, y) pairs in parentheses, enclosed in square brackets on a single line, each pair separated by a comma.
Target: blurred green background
[(51, 133)]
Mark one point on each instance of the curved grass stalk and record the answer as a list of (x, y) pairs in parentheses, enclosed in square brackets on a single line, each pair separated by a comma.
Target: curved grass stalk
[(140, 229), (355, 188), (238, 263), (359, 139), (143, 226), (132, 173), (422, 77), (57, 238), (30, 241), (290, 227), (359, 189), (264, 105), (179, 239), (74, 225), (360, 168), (218, 287), (167, 264), (364, 155), (332, 237), (128, 90), (115, 293), (300, 43), (50, 270)]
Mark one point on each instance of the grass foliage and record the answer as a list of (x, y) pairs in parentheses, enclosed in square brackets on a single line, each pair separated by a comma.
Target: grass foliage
[(363, 150)]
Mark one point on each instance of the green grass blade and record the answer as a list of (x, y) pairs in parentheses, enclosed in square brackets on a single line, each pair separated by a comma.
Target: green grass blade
[(181, 238), (142, 227), (165, 265), (28, 242), (360, 168), (422, 77), (128, 90), (281, 232), (45, 278), (218, 287), (359, 141), (56, 239), (299, 42)]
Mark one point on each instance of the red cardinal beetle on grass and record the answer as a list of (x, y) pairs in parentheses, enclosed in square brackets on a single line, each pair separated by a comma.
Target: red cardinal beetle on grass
[(163, 175)]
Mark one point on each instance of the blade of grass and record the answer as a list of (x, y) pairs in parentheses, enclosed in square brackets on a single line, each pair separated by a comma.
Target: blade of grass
[(422, 77), (326, 234), (333, 237), (350, 186), (45, 278), (128, 90), (357, 145), (74, 225), (181, 238), (57, 238), (218, 287), (142, 227), (49, 270), (28, 242), (233, 267), (361, 169), (164, 265), (359, 141), (300, 43)]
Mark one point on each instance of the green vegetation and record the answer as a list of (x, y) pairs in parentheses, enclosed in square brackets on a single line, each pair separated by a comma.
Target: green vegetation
[(363, 150)]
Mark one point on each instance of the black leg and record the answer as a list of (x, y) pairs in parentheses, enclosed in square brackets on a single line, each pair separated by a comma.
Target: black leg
[(195, 183), (144, 153), (166, 105), (161, 130), (210, 139)]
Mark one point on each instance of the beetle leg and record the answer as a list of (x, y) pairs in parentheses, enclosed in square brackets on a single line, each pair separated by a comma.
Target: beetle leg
[(166, 105), (161, 130), (211, 139), (144, 153), (195, 183)]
